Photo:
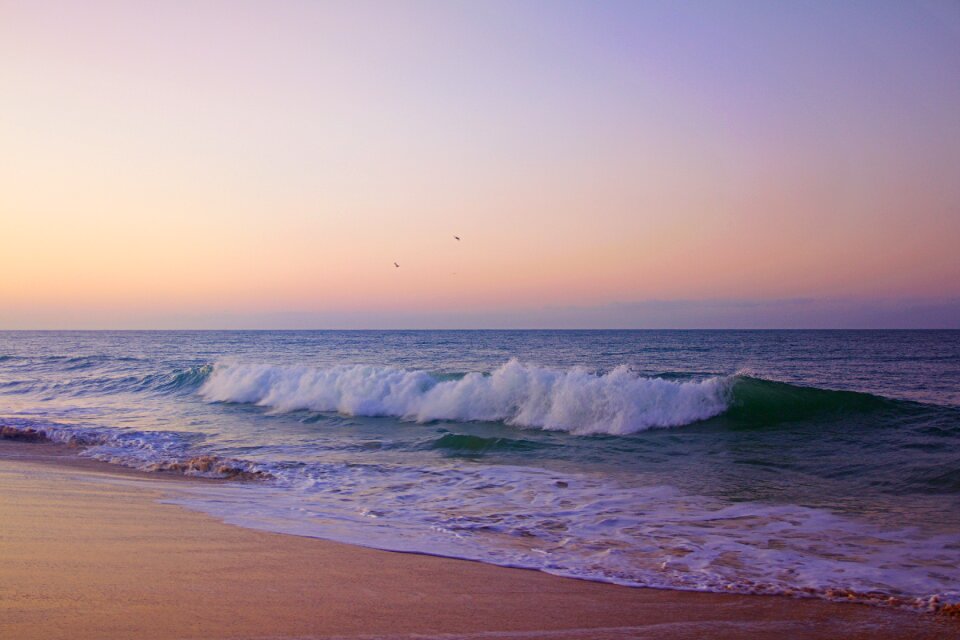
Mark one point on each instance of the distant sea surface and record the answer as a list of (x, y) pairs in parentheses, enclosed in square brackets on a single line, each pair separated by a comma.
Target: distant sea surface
[(814, 463)]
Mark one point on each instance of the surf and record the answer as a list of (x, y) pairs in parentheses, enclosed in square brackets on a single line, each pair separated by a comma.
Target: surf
[(575, 400)]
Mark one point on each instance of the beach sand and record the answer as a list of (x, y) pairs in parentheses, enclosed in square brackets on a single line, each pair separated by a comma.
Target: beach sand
[(87, 551)]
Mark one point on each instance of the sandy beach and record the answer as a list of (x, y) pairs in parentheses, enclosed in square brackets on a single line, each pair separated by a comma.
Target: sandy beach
[(87, 550)]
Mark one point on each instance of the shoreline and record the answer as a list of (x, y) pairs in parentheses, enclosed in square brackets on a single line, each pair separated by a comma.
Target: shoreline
[(87, 550)]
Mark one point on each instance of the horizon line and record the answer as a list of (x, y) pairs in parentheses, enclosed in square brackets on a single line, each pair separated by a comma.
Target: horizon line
[(448, 329)]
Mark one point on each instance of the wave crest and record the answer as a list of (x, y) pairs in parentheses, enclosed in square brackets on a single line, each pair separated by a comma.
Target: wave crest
[(575, 400)]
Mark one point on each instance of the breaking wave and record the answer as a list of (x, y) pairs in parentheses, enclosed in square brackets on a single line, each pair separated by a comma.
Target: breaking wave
[(576, 400)]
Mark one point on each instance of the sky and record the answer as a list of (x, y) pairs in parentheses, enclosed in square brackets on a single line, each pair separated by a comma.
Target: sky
[(606, 165)]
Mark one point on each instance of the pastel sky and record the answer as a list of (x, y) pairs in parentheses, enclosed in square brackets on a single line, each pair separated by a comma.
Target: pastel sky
[(638, 164)]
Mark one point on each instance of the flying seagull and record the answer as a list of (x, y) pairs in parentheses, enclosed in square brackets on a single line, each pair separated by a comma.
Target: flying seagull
[(457, 238), (396, 265)]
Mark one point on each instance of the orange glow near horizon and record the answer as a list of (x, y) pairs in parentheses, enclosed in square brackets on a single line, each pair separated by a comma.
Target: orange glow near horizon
[(238, 158)]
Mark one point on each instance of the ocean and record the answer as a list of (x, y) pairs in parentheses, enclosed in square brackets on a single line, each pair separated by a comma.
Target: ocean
[(808, 463)]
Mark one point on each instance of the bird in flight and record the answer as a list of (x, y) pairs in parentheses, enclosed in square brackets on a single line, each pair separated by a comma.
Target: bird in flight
[(396, 265), (457, 238)]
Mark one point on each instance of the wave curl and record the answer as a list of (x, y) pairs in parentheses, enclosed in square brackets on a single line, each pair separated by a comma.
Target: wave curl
[(576, 400)]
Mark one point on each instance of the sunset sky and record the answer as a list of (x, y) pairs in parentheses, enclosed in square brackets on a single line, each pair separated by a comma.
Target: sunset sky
[(637, 164)]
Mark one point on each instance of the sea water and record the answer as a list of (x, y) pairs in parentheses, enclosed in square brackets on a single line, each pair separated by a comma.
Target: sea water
[(814, 463)]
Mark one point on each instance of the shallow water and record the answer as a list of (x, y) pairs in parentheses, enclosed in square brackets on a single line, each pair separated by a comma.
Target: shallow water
[(819, 463)]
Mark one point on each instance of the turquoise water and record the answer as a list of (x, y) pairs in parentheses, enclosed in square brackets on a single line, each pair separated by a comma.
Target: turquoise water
[(818, 463)]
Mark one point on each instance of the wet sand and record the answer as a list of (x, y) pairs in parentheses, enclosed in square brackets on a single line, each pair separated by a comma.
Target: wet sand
[(87, 551)]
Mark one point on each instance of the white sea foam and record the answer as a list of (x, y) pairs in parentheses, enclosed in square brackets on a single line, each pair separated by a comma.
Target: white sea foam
[(575, 400), (581, 525), (143, 450)]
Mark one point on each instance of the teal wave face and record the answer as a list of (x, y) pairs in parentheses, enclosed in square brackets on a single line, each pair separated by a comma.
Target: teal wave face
[(756, 403)]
